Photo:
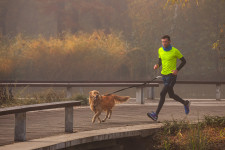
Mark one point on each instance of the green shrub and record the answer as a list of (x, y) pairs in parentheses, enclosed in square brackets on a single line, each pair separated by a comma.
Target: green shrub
[(215, 121), (83, 99)]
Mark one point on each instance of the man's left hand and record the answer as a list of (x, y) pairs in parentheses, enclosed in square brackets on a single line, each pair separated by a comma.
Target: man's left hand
[(174, 72)]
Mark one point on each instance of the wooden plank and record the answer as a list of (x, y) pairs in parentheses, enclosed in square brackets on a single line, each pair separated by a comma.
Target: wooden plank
[(26, 108)]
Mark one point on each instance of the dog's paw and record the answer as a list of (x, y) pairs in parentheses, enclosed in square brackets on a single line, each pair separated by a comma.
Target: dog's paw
[(103, 120), (99, 121)]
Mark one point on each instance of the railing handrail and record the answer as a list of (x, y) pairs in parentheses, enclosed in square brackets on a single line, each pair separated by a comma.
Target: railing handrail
[(195, 82), (126, 83), (35, 107), (119, 81), (76, 84)]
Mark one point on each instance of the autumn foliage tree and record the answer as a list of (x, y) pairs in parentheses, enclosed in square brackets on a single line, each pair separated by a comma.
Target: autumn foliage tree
[(81, 56)]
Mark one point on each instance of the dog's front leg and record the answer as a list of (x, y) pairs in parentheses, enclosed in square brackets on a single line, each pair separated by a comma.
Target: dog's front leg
[(99, 120), (96, 116)]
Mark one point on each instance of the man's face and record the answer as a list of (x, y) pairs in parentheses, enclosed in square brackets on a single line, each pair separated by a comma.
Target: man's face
[(165, 42)]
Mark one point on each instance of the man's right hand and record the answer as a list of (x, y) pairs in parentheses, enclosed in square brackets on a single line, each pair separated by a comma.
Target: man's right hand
[(156, 66)]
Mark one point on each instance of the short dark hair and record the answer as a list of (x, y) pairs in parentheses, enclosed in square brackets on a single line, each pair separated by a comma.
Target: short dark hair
[(166, 37)]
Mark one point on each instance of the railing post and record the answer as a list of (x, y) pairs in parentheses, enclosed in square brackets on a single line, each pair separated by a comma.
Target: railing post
[(139, 95), (20, 127), (69, 119), (218, 91), (68, 92), (82, 91), (151, 94)]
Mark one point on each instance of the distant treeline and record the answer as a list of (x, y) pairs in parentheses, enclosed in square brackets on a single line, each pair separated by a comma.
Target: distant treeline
[(108, 39)]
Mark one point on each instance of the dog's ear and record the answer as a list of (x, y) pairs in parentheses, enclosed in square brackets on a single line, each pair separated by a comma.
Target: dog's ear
[(90, 93)]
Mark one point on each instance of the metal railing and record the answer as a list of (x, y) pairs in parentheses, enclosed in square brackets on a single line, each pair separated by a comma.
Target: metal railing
[(139, 90)]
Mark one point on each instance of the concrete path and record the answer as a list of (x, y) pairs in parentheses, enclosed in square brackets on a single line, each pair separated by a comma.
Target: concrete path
[(47, 123)]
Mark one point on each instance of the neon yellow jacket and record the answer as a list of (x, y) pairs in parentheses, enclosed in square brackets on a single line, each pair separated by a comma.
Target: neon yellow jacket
[(169, 59)]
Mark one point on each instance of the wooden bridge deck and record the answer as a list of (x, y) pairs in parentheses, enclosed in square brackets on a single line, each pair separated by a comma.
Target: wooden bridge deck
[(51, 122)]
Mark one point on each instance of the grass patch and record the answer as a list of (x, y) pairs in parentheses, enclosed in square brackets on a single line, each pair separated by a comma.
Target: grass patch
[(206, 135)]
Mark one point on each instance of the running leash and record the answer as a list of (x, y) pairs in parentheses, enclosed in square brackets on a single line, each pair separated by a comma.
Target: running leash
[(133, 86)]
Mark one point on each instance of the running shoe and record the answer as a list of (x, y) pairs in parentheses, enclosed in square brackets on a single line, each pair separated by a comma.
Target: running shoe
[(186, 107), (153, 116)]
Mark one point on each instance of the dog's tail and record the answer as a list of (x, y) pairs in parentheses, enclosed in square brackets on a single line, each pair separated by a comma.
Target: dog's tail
[(121, 99)]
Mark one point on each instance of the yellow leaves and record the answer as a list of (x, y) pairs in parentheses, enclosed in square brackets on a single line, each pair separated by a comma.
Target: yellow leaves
[(34, 44), (222, 133), (97, 35), (172, 2), (6, 65), (179, 134), (197, 2), (219, 44), (221, 30), (216, 44), (69, 44), (54, 43), (182, 2), (49, 55)]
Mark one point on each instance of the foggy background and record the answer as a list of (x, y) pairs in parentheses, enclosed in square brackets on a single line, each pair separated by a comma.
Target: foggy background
[(108, 39)]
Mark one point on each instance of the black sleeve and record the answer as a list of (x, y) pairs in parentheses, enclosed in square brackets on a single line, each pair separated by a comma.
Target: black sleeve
[(183, 62), (160, 62)]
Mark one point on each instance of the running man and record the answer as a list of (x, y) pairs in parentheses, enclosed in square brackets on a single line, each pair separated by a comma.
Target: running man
[(168, 56)]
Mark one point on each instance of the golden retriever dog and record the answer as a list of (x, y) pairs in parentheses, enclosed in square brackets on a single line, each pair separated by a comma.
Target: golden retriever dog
[(99, 103)]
